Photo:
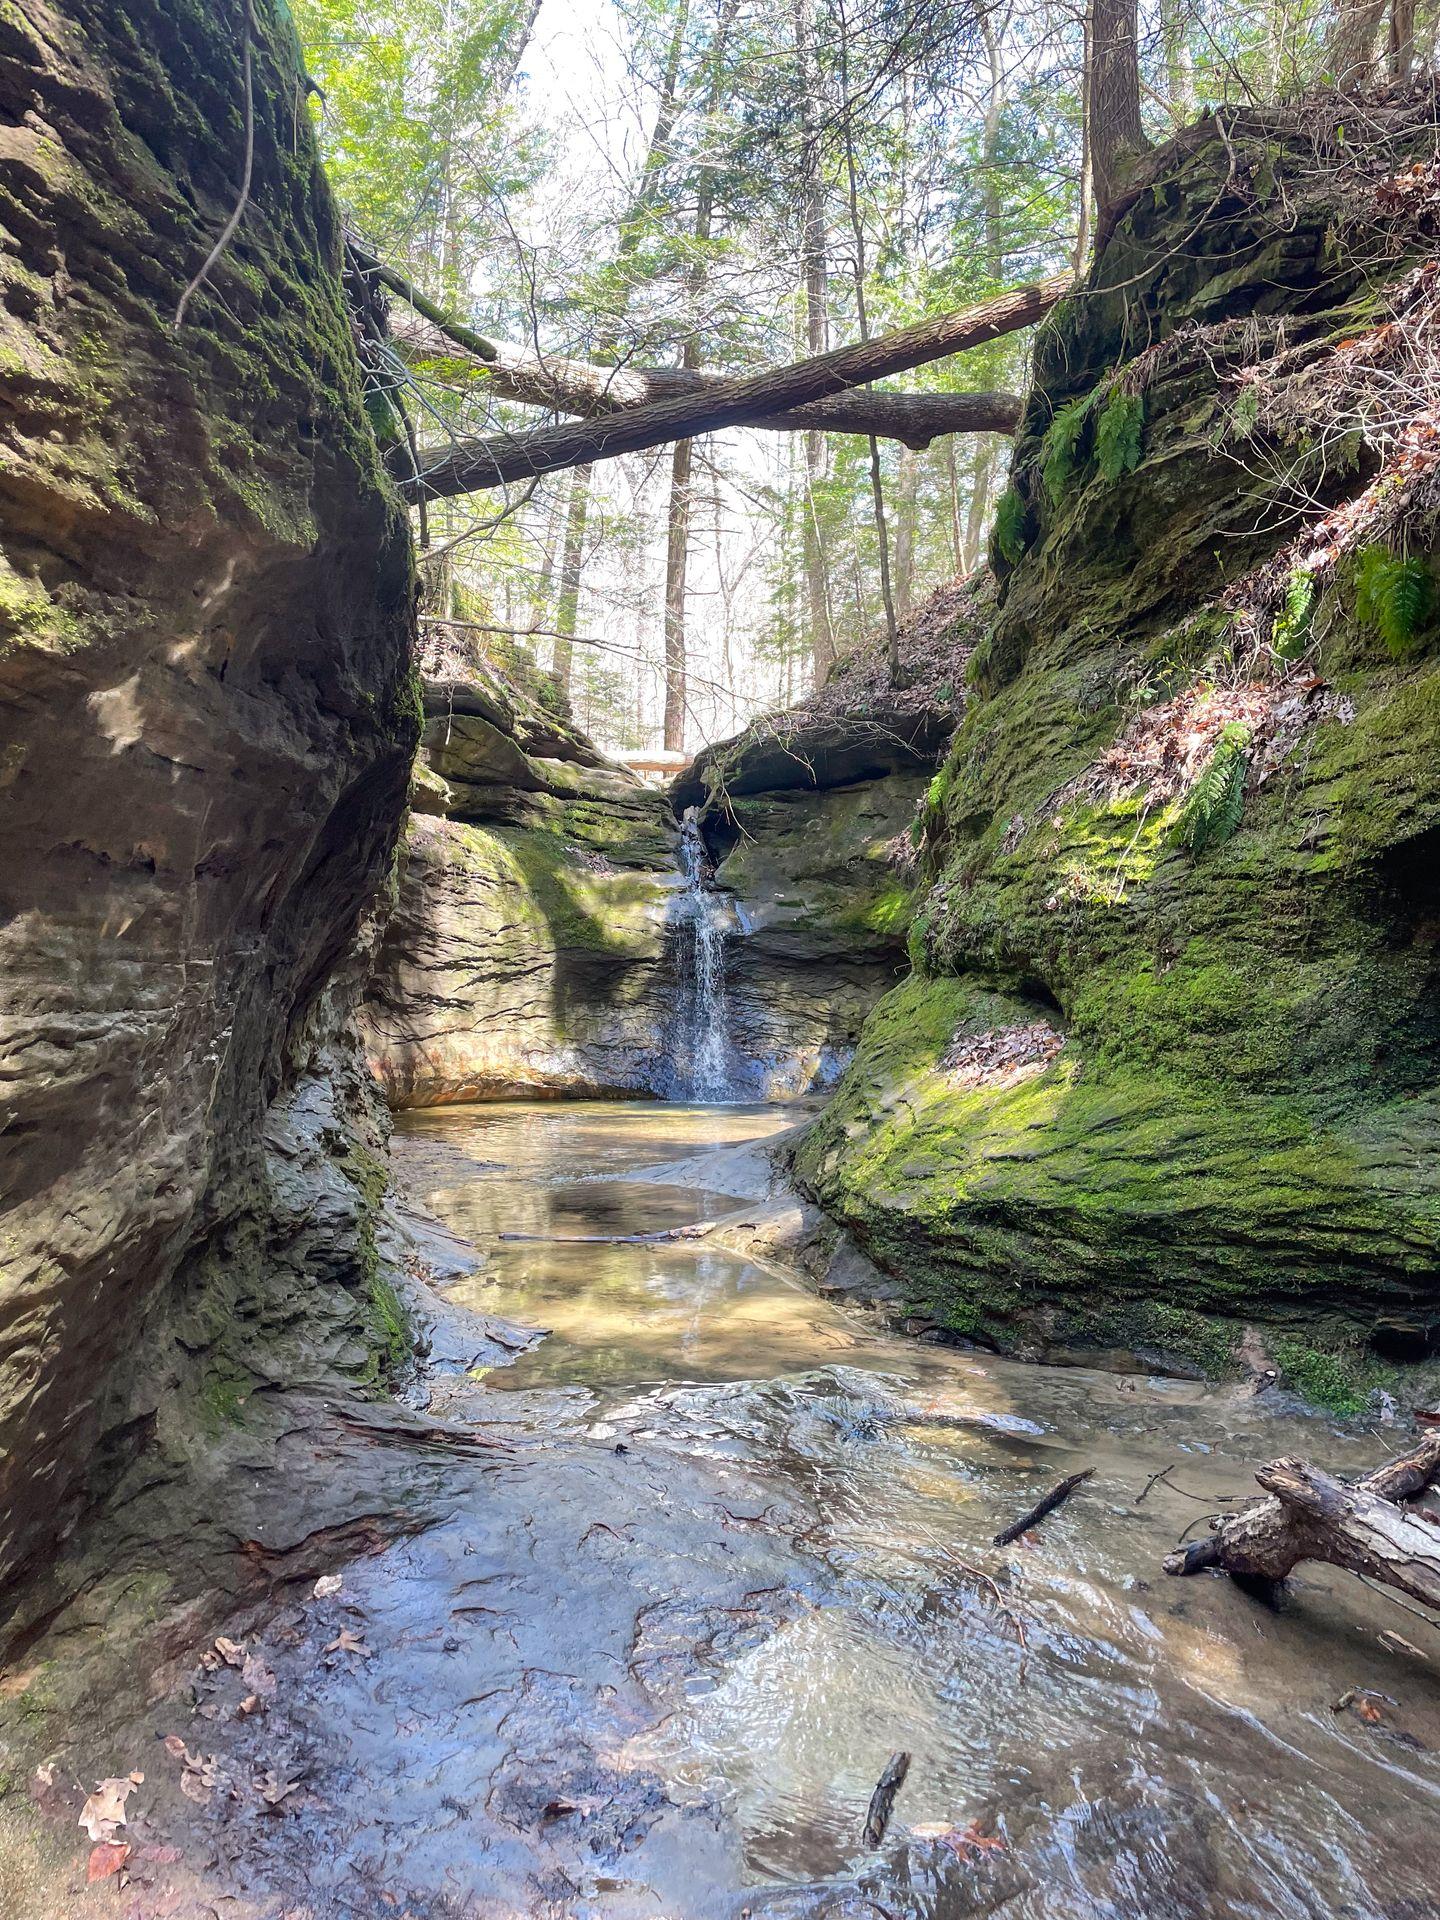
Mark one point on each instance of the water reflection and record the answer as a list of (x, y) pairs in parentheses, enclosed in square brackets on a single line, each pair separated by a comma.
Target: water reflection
[(1134, 1746)]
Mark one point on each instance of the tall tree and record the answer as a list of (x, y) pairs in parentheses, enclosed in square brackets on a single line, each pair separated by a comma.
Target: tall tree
[(815, 275), (1112, 95)]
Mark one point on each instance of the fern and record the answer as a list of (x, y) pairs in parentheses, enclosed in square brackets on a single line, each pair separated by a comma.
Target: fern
[(1010, 526), (1396, 597), (1245, 413), (1120, 435), (1062, 448), (1213, 807), (1291, 631)]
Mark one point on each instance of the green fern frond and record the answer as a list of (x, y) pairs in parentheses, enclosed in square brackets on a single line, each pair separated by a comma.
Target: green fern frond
[(1245, 413), (1010, 538), (1291, 632), (1214, 804), (1062, 457), (1120, 435), (1396, 597)]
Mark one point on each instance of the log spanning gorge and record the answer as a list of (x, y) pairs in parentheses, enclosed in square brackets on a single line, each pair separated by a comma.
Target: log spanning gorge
[(575, 1352)]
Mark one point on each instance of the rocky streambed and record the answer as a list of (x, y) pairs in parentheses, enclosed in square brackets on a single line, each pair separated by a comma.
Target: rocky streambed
[(631, 1617)]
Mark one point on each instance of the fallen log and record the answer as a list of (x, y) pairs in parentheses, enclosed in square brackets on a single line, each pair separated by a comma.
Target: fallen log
[(1312, 1516), (491, 460)]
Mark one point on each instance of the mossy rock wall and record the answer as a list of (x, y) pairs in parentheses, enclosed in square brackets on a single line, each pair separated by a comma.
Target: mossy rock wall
[(529, 951), (1139, 1092), (822, 910), (206, 724)]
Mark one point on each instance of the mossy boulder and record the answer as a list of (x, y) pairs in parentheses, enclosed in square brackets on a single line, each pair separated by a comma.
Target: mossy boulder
[(1238, 1122)]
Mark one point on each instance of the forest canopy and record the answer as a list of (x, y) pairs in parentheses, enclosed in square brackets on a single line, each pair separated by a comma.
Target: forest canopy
[(559, 209)]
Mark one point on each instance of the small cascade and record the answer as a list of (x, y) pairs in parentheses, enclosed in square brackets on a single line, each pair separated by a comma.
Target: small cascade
[(703, 1049)]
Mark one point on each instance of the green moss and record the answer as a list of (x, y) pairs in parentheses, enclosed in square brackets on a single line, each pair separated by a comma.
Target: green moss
[(1334, 1381)]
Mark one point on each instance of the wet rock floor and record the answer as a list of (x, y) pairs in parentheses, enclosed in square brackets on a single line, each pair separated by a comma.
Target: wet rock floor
[(650, 1654)]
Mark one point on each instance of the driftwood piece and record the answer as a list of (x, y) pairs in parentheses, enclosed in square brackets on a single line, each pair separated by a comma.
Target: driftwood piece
[(1056, 1497), (882, 1800), (1312, 1516)]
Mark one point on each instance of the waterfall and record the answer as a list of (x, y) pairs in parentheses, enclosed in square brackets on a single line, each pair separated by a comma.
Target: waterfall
[(703, 1052)]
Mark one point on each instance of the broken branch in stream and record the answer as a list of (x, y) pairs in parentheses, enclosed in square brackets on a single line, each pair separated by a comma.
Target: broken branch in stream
[(1362, 1527), (882, 1800), (1056, 1497)]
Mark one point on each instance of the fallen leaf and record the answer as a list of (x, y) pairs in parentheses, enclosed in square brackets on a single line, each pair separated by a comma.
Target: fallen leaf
[(328, 1585), (104, 1812), (967, 1840), (257, 1677), (273, 1790), (347, 1642), (174, 1746), (45, 1773), (106, 1859), (230, 1651), (201, 1776)]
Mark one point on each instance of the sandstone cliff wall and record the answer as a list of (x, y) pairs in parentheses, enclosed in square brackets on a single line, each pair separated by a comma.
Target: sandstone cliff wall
[(206, 725)]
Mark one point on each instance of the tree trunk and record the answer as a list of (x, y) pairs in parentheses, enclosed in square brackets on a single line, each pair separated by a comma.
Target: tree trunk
[(680, 514), (906, 514), (1112, 95), (590, 388), (978, 519), (1179, 65), (1401, 59), (492, 460), (1351, 51), (815, 272), (572, 561), (677, 555)]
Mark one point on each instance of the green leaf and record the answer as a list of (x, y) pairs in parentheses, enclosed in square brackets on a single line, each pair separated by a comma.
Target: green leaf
[(1010, 526), (1396, 597), (1061, 452), (1291, 632), (1120, 435), (1215, 803)]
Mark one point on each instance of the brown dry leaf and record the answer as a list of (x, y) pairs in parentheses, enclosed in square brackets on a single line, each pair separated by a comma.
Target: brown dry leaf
[(200, 1778), (230, 1651), (104, 1812), (109, 1857), (259, 1681), (328, 1585), (273, 1790), (45, 1773), (175, 1747), (967, 1840), (347, 1642)]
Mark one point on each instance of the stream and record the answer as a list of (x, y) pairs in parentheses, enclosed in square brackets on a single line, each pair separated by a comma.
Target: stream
[(652, 1658)]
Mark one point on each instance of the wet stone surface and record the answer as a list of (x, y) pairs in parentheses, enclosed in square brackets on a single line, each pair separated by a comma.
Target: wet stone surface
[(652, 1659)]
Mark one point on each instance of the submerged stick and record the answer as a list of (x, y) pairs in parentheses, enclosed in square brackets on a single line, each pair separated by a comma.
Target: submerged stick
[(1056, 1497), (882, 1800)]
